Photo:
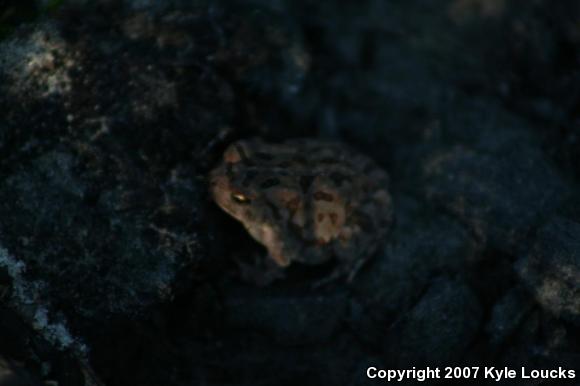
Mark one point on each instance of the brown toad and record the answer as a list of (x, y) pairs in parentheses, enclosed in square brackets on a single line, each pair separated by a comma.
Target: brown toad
[(305, 200)]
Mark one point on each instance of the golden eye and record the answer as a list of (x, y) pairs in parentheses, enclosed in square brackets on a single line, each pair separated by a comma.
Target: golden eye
[(240, 198)]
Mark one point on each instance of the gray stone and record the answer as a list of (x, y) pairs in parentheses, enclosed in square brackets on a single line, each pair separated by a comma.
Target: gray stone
[(499, 195), (551, 269), (438, 329), (423, 243), (78, 252), (508, 314)]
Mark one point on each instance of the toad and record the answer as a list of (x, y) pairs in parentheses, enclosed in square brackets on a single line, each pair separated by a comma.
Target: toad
[(305, 200)]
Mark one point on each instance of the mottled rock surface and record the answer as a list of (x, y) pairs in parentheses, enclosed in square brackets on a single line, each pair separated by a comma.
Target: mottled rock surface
[(551, 269)]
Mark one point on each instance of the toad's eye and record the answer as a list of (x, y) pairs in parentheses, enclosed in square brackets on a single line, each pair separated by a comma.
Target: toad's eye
[(240, 198)]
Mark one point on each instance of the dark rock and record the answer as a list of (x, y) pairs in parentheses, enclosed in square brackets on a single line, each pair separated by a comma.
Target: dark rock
[(285, 318), (500, 195), (438, 329), (507, 315), (423, 244), (87, 256), (253, 359), (358, 376), (14, 374), (551, 269), (541, 341)]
